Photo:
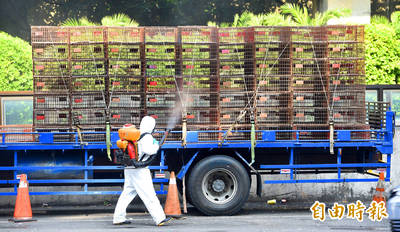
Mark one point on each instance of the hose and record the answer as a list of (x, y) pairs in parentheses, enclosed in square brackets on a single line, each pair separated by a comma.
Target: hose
[(141, 164), (331, 138), (238, 119), (108, 139)]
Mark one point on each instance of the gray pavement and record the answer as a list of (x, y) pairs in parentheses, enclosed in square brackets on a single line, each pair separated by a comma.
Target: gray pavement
[(248, 220)]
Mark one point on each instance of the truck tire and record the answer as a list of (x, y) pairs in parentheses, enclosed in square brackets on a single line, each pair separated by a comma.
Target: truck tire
[(218, 185)]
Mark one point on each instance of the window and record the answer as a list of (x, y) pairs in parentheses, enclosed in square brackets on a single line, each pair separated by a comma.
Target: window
[(393, 96), (17, 110), (371, 95)]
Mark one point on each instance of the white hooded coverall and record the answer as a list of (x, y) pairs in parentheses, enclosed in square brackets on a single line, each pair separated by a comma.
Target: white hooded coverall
[(138, 180)]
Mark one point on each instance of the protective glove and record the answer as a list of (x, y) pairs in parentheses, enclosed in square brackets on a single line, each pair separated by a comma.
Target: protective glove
[(119, 156), (126, 161), (155, 141), (141, 164)]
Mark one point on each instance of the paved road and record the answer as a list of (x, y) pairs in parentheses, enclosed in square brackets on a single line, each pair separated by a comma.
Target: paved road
[(247, 220)]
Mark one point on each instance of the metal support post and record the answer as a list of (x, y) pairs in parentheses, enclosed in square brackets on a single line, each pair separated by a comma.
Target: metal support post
[(388, 161), (86, 171), (15, 172), (162, 161), (291, 162), (339, 161)]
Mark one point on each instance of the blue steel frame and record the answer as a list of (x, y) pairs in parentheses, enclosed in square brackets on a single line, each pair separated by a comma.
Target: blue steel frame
[(383, 143)]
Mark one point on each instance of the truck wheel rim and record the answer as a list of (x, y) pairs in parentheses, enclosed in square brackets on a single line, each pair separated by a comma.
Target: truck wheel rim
[(219, 186)]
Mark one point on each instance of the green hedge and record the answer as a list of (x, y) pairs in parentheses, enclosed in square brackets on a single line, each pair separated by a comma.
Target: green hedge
[(15, 63), (382, 54)]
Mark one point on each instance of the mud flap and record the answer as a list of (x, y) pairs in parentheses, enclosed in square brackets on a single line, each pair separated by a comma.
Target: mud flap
[(259, 185)]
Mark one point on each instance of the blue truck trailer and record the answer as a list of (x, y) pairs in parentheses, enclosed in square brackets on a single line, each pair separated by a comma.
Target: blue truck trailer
[(236, 102), (218, 176)]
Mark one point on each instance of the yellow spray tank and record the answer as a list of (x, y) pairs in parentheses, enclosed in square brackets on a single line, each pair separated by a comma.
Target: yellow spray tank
[(129, 135)]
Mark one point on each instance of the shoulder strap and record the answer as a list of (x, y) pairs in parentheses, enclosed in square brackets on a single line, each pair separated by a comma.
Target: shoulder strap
[(142, 135), (141, 159)]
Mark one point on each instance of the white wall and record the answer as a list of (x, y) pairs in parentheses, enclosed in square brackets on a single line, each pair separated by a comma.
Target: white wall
[(361, 10)]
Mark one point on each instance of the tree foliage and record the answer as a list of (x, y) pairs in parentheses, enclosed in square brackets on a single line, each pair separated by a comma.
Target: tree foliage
[(302, 17), (395, 18), (84, 21), (16, 16), (120, 19), (271, 19), (287, 15), (15, 63)]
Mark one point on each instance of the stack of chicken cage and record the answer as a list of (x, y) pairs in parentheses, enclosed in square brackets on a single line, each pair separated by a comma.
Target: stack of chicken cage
[(51, 80), (279, 78)]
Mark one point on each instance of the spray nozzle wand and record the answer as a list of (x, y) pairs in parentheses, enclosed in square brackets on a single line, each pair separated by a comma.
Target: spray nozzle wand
[(164, 138)]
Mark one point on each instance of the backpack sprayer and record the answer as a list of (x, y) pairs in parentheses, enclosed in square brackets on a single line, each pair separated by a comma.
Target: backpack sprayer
[(128, 147)]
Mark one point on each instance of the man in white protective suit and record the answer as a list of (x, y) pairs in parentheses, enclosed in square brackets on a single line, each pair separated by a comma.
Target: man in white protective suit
[(138, 180)]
